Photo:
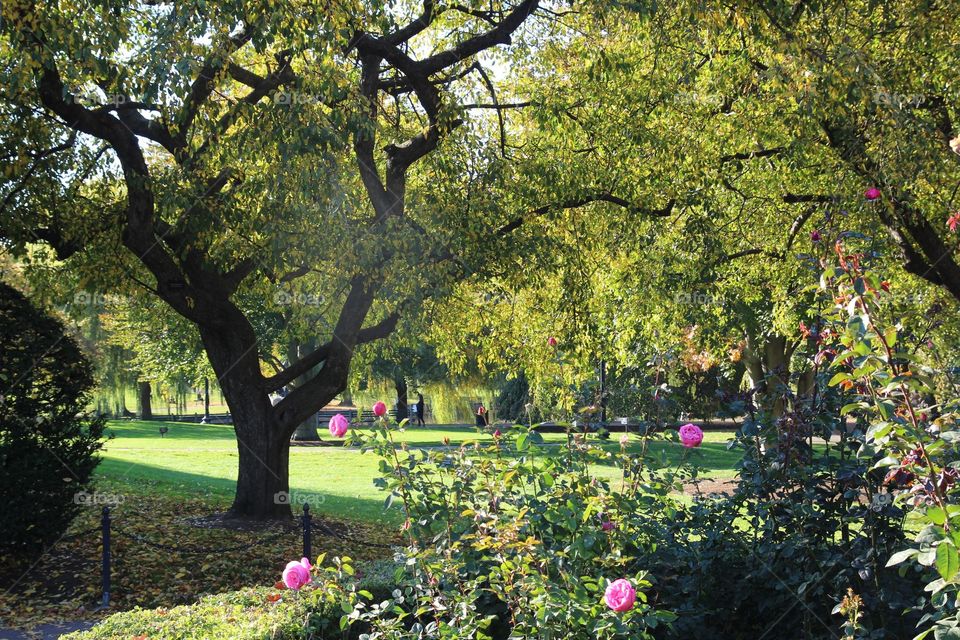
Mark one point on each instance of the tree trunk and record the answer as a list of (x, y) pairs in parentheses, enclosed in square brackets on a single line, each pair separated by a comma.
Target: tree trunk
[(262, 444), (754, 363), (777, 361), (146, 411), (401, 384), (306, 430), (263, 481), (806, 383), (768, 364), (206, 399)]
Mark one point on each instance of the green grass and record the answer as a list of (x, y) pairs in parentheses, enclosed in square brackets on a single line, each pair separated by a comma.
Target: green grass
[(196, 459)]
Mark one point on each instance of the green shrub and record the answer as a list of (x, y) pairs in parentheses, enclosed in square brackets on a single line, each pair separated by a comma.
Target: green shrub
[(257, 613), (514, 540), (47, 444), (238, 615)]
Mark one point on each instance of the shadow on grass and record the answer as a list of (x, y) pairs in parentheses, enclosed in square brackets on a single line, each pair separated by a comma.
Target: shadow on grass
[(131, 479)]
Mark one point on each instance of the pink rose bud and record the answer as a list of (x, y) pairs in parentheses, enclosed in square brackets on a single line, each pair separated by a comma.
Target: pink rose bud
[(339, 425), (297, 574), (620, 595), (815, 235), (552, 341), (872, 193), (606, 525), (691, 435), (379, 409), (497, 434)]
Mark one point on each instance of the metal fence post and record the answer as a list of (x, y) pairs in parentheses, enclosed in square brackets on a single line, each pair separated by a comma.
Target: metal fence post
[(105, 568), (306, 532)]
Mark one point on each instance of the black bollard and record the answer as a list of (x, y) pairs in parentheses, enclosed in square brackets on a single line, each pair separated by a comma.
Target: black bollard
[(105, 568), (306, 531)]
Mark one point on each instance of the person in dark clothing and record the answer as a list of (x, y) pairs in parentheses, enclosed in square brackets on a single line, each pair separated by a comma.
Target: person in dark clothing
[(482, 416), (420, 409)]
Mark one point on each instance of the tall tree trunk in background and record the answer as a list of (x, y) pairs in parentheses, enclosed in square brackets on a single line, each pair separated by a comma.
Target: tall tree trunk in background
[(768, 364), (806, 383), (753, 358), (143, 392), (400, 383), (307, 430), (777, 365), (206, 399)]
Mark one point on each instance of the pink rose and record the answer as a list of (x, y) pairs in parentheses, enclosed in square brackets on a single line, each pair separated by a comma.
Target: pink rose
[(620, 595), (690, 435), (606, 525), (552, 341), (379, 409), (624, 440), (297, 574), (872, 193), (815, 236), (339, 425), (497, 434)]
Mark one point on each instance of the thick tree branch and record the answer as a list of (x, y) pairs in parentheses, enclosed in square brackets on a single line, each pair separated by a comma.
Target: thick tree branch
[(574, 203), (500, 34), (316, 357)]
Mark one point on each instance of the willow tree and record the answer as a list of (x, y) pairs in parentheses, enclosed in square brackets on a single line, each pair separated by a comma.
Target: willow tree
[(750, 127), (219, 155)]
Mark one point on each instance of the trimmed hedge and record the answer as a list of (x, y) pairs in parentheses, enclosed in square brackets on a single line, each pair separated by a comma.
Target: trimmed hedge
[(247, 614)]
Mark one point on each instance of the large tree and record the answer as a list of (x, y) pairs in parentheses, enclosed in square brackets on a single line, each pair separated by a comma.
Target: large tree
[(211, 141), (760, 123)]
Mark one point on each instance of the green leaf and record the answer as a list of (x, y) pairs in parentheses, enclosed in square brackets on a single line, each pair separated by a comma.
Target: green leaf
[(900, 556), (838, 378)]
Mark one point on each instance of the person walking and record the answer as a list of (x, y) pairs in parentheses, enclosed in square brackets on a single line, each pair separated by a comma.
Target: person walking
[(420, 409)]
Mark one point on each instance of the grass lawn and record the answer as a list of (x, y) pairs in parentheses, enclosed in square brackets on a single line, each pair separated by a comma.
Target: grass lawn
[(194, 459)]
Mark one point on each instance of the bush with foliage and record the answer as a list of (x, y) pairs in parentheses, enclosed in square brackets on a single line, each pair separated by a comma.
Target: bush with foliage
[(510, 539), (910, 438), (47, 443)]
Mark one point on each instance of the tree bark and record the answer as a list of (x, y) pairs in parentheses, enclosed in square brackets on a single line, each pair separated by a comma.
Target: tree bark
[(777, 364), (307, 430), (768, 364), (400, 383), (206, 398), (262, 443), (146, 411), (263, 480)]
